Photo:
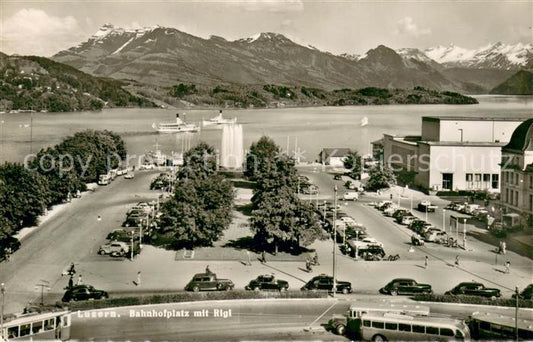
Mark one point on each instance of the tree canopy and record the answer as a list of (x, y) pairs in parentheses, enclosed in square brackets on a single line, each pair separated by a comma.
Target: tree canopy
[(380, 178), (200, 209)]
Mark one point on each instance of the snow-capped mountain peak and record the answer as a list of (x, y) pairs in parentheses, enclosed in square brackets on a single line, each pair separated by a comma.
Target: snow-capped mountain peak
[(495, 55)]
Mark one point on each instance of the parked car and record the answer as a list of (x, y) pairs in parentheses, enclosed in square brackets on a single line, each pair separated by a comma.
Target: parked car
[(389, 211), (371, 242), (208, 282), (309, 190), (114, 248), (474, 289), (402, 286), (433, 234), (407, 219), (371, 253), (350, 196), (419, 225), (8, 246), (267, 282), (399, 213), (129, 175), (526, 293), (325, 282), (134, 219), (417, 240), (426, 206), (83, 292)]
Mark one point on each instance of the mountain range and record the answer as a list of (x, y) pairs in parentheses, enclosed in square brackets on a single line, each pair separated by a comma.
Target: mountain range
[(162, 56)]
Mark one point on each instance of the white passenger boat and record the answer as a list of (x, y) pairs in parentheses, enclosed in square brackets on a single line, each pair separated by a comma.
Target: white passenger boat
[(218, 120), (175, 127)]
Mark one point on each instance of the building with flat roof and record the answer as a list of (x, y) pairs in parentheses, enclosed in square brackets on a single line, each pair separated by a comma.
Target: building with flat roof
[(517, 173), (452, 153), (333, 156)]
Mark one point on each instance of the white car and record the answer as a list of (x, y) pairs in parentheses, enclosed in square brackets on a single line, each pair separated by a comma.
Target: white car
[(371, 241), (350, 196), (390, 210), (129, 175), (407, 219)]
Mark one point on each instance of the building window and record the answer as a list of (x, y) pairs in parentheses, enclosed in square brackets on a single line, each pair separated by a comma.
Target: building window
[(506, 195), (516, 198), (530, 202), (486, 177), (495, 179), (478, 177), (531, 182), (469, 177)]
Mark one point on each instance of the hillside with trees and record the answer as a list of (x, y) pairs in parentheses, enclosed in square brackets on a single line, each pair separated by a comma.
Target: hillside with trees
[(40, 84), (270, 95)]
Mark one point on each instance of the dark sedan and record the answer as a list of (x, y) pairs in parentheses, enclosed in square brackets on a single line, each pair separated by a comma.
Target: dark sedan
[(405, 287), (267, 282), (474, 289), (325, 282), (83, 292)]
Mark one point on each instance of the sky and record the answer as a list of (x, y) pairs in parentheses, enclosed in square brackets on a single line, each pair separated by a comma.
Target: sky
[(46, 27)]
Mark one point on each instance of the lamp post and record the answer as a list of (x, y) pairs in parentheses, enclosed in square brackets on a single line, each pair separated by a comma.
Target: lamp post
[(3, 290), (444, 220), (516, 314), (461, 130), (325, 205), (464, 233), (334, 238), (131, 249)]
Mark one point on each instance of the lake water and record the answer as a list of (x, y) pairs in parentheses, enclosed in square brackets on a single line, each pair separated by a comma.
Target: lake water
[(311, 129)]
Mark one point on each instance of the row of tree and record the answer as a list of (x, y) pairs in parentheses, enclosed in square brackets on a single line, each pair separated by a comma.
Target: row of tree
[(201, 207), (280, 220), (54, 173)]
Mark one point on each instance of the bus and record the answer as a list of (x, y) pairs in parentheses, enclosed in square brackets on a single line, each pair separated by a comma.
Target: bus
[(38, 327), (486, 325), (392, 326), (350, 323)]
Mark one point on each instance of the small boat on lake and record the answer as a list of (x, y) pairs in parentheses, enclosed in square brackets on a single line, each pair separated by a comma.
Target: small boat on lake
[(218, 120), (179, 126)]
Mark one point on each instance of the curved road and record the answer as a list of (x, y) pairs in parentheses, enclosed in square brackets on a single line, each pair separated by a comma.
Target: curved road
[(265, 320), (69, 235)]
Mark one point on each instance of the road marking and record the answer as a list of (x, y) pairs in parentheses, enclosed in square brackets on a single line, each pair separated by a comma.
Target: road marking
[(322, 315)]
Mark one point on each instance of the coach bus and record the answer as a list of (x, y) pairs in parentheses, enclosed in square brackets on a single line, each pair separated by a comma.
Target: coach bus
[(45, 326), (485, 325), (391, 326), (350, 323)]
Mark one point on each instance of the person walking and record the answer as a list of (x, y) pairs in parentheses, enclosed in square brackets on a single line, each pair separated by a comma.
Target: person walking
[(207, 270), (80, 281), (426, 262), (456, 261), (249, 259), (504, 247), (507, 267), (138, 278), (263, 257)]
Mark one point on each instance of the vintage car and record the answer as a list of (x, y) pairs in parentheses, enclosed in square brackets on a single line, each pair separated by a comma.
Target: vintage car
[(474, 289), (325, 282), (402, 286), (114, 248), (208, 282), (83, 292), (267, 282)]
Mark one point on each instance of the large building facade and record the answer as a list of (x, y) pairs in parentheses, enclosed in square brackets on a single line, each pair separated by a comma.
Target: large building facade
[(517, 172), (452, 153)]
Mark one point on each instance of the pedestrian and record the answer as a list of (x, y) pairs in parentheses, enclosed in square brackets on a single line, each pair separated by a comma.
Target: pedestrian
[(138, 278), (504, 247), (456, 261), (99, 218), (263, 257), (507, 267), (70, 282), (391, 197), (426, 262), (249, 260), (79, 280), (207, 270)]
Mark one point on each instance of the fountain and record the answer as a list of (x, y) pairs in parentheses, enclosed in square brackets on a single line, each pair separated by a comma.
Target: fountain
[(232, 152)]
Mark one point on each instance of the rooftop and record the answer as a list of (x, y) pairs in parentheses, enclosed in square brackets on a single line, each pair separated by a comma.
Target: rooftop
[(522, 138), (334, 152), (463, 118), (464, 143)]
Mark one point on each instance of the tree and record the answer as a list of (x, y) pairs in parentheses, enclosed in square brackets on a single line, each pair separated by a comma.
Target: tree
[(281, 219), (380, 178), (352, 162), (24, 195), (200, 209), (265, 148), (200, 161)]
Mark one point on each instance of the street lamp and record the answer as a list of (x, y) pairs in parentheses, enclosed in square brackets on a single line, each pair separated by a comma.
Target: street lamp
[(3, 290), (444, 220), (334, 237), (516, 313), (464, 233)]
